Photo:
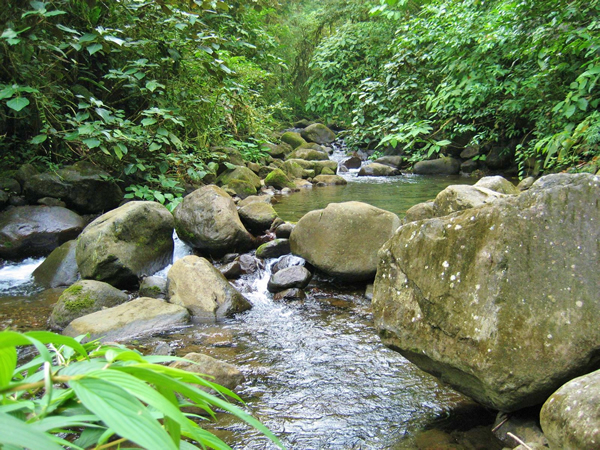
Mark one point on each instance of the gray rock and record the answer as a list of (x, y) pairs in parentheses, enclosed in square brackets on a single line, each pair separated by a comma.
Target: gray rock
[(257, 217), (342, 240), (354, 162), (50, 201), (329, 180), (441, 166), (220, 372), (136, 318), (284, 230), (570, 418), (4, 199), (242, 265), (127, 243), (36, 230), (208, 220), (255, 199), (420, 211), (526, 183), (287, 261), (392, 161), (500, 301), (82, 298), (318, 133), (10, 186), (154, 287), (290, 294), (469, 152), (469, 166), (369, 292), (248, 264), (288, 278), (194, 283), (82, 186), (498, 184), (461, 196), (377, 170), (59, 268), (308, 154), (273, 249), (523, 424)]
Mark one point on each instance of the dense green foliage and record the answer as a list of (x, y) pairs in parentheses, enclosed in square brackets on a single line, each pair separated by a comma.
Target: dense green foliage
[(101, 396), (522, 75)]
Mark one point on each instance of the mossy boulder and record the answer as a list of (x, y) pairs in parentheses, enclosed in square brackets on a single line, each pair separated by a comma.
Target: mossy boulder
[(36, 230), (208, 220), (127, 243), (329, 180), (273, 249), (327, 171), (293, 139), (59, 268), (257, 217), (308, 154), (241, 188), (319, 166), (279, 151), (500, 301), (293, 169), (82, 186), (153, 287), (239, 173), (319, 133), (278, 179), (342, 240), (195, 284), (82, 298)]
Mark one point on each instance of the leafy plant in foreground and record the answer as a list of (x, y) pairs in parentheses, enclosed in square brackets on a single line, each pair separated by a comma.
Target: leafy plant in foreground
[(98, 395)]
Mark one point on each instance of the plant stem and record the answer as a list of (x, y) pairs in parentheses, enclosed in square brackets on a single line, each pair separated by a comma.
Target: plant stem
[(39, 384)]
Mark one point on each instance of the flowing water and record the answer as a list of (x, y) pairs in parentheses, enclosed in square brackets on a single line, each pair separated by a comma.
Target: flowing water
[(316, 372)]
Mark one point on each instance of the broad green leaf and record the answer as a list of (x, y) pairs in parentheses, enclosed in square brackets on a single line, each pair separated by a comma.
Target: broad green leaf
[(8, 362), (152, 85), (39, 139), (122, 412), (17, 103), (13, 339), (8, 92), (17, 433), (92, 143), (114, 39), (67, 29), (94, 48), (87, 37), (148, 121)]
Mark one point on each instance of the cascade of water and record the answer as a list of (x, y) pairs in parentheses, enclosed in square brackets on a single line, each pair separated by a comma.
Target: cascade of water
[(16, 277)]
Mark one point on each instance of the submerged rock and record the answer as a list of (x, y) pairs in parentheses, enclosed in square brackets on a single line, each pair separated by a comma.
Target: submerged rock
[(82, 298), (127, 243), (342, 240), (139, 317), (194, 283), (500, 302), (36, 230), (219, 372)]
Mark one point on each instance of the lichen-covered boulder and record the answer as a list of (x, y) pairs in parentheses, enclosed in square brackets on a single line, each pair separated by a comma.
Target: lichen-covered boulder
[(319, 133), (459, 197), (195, 284), (257, 217), (82, 298), (239, 173), (139, 317), (570, 418), (293, 139), (36, 230), (501, 301), (208, 220), (342, 240), (126, 243), (82, 186), (498, 184), (278, 179), (59, 268), (441, 166), (420, 211), (377, 170), (279, 151)]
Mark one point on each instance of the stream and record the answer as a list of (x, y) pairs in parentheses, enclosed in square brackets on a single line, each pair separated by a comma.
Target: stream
[(316, 372)]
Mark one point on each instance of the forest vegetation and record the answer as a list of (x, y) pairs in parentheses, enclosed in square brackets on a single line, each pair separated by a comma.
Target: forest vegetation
[(149, 89)]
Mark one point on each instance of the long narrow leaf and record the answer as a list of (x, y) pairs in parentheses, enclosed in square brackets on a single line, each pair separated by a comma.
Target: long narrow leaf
[(47, 337), (8, 362), (122, 412), (17, 433)]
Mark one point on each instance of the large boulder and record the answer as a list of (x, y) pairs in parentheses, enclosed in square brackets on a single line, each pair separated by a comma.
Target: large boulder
[(498, 184), (293, 139), (257, 216), (377, 170), (290, 277), (82, 186), (126, 243), (59, 268), (279, 180), (441, 166), (570, 418), (342, 240), (329, 180), (82, 298), (392, 161), (319, 133), (208, 220), (239, 173), (459, 197), (139, 317), (36, 230), (501, 301), (308, 154), (194, 283)]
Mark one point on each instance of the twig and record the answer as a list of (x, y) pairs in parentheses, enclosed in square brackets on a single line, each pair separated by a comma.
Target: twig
[(500, 424), (519, 440)]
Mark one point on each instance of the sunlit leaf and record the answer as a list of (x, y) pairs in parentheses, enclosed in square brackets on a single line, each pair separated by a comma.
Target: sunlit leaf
[(17, 103), (8, 362), (94, 48), (19, 434)]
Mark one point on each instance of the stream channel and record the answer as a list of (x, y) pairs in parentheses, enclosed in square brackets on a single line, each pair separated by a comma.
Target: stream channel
[(316, 372)]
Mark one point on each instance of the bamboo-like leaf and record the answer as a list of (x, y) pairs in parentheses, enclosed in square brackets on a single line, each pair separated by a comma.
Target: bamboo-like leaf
[(54, 422), (8, 362), (47, 337), (122, 412), (17, 433), (13, 339)]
